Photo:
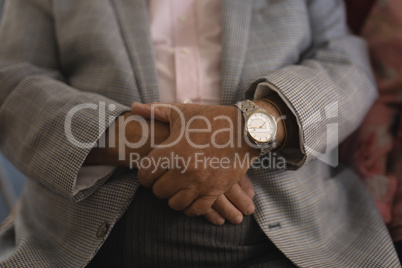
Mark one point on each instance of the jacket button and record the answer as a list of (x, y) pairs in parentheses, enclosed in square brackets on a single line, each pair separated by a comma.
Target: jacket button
[(102, 230)]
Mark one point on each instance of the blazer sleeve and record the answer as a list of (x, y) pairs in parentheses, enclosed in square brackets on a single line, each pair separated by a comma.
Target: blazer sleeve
[(332, 87), (36, 100)]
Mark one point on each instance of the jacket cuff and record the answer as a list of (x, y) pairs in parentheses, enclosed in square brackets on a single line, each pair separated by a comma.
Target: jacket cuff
[(292, 150), (83, 135)]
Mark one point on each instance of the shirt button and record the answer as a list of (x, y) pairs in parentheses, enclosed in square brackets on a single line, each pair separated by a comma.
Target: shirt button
[(187, 101), (102, 230), (186, 51)]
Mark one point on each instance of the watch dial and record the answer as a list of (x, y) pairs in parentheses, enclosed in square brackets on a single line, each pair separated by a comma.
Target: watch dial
[(261, 127)]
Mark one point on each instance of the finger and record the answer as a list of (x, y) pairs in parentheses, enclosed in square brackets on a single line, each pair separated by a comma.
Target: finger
[(228, 210), (168, 185), (154, 165), (141, 109), (157, 111), (147, 176), (183, 199), (240, 199), (214, 217), (247, 186), (200, 206)]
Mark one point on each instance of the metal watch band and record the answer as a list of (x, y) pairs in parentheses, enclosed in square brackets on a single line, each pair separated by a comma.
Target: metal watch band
[(248, 107)]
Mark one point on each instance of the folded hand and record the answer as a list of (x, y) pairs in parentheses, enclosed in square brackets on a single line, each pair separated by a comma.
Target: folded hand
[(212, 158)]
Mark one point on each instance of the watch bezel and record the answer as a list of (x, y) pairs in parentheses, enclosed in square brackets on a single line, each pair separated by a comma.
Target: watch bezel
[(273, 124)]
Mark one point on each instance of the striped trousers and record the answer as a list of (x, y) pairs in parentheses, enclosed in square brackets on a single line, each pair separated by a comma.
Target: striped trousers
[(150, 234)]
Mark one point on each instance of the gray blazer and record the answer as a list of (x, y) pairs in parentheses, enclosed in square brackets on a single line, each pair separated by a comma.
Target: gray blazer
[(56, 54)]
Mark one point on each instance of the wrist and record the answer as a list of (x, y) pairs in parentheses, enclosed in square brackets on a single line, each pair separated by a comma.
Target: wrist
[(136, 137), (122, 133)]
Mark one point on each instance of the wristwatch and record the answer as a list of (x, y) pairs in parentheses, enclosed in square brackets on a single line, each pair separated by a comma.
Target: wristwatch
[(260, 128)]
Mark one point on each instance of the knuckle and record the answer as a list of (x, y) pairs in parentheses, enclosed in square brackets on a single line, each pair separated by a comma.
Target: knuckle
[(214, 219), (194, 212), (232, 190), (233, 213), (219, 202), (144, 174), (202, 205), (193, 192), (158, 191)]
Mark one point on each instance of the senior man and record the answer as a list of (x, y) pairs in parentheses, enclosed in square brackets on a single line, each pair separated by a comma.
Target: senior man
[(70, 70)]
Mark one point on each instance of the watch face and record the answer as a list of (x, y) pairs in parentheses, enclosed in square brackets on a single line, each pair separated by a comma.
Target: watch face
[(261, 127)]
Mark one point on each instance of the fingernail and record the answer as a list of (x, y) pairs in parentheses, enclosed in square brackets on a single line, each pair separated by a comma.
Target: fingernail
[(220, 221), (238, 220), (250, 210), (250, 192)]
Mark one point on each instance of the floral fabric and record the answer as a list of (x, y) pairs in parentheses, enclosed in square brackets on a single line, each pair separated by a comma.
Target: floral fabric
[(377, 145)]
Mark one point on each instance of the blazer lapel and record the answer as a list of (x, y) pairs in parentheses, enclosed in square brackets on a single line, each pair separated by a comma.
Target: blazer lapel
[(236, 18), (133, 17)]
